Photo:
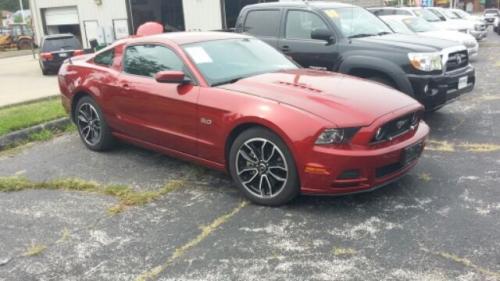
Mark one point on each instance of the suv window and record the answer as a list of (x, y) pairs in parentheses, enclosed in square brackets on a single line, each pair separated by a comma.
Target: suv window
[(263, 23), (147, 60), (105, 58), (57, 43), (299, 24)]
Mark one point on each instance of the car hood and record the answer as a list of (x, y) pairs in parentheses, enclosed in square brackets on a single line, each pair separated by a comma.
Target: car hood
[(406, 42), (450, 35), (343, 100)]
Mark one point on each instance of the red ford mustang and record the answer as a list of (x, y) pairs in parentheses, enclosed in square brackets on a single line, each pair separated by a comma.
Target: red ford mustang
[(233, 103)]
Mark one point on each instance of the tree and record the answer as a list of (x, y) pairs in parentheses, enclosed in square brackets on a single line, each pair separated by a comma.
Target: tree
[(13, 5)]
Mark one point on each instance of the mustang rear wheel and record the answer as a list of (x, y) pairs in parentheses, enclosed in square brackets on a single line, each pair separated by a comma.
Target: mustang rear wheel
[(263, 167), (91, 125)]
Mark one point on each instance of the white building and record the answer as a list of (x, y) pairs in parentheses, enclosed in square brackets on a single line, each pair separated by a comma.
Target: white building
[(108, 20)]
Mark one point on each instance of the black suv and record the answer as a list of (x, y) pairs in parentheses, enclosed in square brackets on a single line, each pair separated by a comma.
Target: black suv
[(351, 40), (56, 48)]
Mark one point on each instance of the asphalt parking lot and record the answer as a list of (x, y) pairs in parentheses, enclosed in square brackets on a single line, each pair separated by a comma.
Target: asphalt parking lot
[(440, 222)]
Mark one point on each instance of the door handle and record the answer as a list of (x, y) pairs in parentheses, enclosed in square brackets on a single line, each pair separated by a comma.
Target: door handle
[(285, 48), (125, 85)]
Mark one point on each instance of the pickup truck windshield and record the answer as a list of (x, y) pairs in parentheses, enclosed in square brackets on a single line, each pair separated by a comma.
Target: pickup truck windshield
[(357, 22), (427, 15), (227, 61), (418, 25)]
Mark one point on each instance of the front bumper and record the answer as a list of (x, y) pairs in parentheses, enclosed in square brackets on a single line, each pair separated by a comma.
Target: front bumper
[(479, 34), (442, 88), (375, 167), (473, 52)]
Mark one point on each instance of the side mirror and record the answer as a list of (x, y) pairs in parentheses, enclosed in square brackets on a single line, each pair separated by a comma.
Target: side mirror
[(323, 34), (174, 77)]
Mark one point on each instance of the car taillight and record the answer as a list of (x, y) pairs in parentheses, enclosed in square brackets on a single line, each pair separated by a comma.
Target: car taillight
[(78, 52), (46, 56)]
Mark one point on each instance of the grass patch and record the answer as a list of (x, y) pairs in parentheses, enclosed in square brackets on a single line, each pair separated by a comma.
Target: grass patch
[(44, 135), (26, 115), (34, 250), (126, 196)]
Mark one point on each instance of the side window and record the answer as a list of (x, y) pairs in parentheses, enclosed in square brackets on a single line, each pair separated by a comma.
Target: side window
[(147, 60), (105, 58), (262, 23), (299, 24)]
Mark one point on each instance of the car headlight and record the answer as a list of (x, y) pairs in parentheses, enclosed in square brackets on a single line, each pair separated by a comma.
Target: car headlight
[(426, 61), (336, 136)]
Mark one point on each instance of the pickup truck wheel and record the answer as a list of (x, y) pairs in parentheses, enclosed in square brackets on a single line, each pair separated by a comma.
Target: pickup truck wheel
[(263, 167), (383, 80)]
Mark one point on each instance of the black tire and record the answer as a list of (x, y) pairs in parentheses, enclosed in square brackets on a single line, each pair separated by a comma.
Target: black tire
[(279, 160), (24, 44), (44, 71), (97, 127), (383, 80)]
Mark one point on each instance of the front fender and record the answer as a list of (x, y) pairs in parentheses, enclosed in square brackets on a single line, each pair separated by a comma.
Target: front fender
[(388, 68)]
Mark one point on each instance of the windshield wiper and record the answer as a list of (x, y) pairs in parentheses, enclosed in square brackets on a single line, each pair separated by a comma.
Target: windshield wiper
[(361, 35), (230, 81), (383, 33)]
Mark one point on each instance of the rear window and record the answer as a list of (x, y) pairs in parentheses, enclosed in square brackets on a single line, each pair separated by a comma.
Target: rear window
[(60, 43), (263, 23)]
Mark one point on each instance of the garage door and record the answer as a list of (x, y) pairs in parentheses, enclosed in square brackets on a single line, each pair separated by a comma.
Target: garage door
[(61, 16)]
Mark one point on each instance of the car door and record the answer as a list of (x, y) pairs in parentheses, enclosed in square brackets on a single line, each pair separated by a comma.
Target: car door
[(163, 114), (296, 41)]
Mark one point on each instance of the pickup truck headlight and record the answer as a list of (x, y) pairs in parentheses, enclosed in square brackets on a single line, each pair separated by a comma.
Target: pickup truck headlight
[(336, 136), (426, 61)]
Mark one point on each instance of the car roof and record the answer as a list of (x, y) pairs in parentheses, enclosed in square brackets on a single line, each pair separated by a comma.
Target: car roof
[(182, 38), (301, 4)]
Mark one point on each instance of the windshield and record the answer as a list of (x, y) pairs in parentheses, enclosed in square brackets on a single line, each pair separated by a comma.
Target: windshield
[(397, 25), (427, 15), (418, 25), (226, 61), (462, 14), (495, 12), (451, 15), (437, 13), (61, 43), (357, 22)]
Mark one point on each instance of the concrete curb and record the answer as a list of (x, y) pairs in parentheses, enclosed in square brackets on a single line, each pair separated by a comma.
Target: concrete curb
[(24, 134), (55, 96)]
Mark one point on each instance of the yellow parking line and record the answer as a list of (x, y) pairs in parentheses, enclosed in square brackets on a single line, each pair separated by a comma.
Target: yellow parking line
[(444, 146)]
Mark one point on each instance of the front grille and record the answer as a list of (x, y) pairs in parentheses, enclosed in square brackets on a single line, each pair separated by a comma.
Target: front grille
[(396, 127), (388, 169), (457, 60)]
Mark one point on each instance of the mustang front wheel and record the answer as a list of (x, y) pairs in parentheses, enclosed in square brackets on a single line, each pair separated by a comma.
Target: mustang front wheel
[(263, 167)]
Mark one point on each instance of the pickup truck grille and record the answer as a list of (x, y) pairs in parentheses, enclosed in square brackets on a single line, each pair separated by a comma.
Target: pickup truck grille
[(396, 127), (457, 60)]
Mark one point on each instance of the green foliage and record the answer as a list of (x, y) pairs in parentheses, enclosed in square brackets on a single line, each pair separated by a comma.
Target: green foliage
[(13, 5)]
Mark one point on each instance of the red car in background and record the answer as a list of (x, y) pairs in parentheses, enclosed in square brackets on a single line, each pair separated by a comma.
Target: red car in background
[(233, 103)]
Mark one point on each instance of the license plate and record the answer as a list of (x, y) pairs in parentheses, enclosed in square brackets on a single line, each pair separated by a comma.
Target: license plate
[(411, 153), (63, 55), (462, 82)]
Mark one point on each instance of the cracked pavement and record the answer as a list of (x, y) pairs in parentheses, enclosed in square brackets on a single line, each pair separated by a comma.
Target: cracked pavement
[(440, 222)]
